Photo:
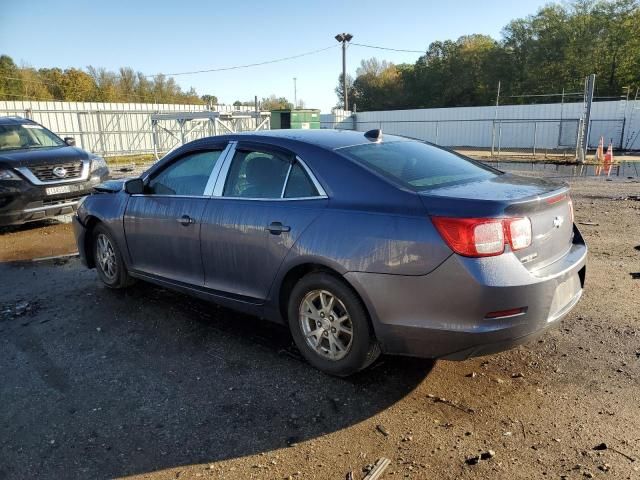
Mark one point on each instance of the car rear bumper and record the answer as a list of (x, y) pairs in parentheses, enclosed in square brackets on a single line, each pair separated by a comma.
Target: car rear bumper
[(444, 314)]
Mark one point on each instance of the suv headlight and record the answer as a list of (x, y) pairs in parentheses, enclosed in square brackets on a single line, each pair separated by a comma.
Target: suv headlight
[(8, 174), (97, 163)]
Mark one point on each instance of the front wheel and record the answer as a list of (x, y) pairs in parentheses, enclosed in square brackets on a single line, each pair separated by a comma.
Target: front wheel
[(108, 260), (330, 325)]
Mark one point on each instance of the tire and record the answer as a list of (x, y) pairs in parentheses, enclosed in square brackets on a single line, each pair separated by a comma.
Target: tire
[(111, 269), (326, 324)]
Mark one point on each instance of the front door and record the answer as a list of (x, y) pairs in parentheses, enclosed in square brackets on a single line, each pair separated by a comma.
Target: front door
[(268, 199), (162, 226)]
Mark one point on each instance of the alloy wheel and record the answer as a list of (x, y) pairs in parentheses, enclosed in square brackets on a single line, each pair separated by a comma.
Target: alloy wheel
[(106, 256), (326, 324)]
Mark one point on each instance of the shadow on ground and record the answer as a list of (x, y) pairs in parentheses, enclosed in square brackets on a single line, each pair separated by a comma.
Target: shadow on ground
[(98, 383), (29, 226)]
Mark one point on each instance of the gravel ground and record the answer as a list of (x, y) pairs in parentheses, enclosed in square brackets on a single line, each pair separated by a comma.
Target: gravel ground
[(153, 384)]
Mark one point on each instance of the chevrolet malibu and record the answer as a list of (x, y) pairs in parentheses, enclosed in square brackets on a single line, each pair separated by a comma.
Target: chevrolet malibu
[(361, 243)]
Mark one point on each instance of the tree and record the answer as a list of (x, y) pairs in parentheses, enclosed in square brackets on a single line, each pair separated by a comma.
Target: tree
[(209, 99), (275, 103), (9, 80), (340, 90), (377, 86), (92, 85), (555, 48), (77, 85)]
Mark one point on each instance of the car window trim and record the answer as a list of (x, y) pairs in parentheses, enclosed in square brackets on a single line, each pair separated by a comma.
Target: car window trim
[(225, 168), (321, 191), (286, 179), (208, 189)]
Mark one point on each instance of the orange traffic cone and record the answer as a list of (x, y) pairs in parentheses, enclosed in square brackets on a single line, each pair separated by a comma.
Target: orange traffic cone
[(599, 156), (608, 158)]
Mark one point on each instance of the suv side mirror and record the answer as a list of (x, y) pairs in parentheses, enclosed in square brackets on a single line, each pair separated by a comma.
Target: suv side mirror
[(134, 186), (70, 141)]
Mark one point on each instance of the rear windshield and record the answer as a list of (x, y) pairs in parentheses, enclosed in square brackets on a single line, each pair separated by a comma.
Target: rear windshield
[(416, 165)]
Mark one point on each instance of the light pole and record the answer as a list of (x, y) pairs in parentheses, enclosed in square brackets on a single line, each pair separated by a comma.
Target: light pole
[(344, 38), (295, 94)]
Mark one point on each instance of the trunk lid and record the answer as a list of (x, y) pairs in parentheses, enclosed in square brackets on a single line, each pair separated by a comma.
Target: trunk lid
[(546, 204)]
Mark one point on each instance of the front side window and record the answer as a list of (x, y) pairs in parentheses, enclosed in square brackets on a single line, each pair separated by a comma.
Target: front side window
[(27, 136), (187, 176), (416, 165)]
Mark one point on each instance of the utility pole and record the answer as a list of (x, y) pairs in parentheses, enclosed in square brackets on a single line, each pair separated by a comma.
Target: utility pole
[(344, 38), (495, 118), (295, 94)]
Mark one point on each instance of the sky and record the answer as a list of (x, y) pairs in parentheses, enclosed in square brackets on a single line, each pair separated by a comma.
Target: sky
[(177, 36)]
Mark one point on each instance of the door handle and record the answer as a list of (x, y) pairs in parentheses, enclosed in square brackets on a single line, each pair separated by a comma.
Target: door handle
[(186, 220), (276, 228)]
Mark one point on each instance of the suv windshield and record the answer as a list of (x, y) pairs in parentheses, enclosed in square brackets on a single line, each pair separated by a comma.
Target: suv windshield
[(29, 135), (416, 165)]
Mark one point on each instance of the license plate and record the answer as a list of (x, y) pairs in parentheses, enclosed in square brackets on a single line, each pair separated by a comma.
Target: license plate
[(58, 190), (565, 292)]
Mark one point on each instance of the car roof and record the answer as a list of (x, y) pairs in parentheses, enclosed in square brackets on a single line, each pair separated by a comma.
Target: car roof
[(325, 138), (14, 121)]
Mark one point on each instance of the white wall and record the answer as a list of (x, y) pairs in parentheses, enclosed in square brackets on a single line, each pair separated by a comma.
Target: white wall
[(473, 126), (338, 118), (126, 127)]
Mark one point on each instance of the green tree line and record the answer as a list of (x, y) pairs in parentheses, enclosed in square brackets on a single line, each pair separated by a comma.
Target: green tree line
[(544, 53), (92, 85), (270, 103)]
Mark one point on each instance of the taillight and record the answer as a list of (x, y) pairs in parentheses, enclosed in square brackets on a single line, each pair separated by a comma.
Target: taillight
[(483, 237), (518, 232)]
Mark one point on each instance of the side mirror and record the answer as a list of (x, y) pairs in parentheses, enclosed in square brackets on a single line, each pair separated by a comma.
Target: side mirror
[(134, 186), (70, 141)]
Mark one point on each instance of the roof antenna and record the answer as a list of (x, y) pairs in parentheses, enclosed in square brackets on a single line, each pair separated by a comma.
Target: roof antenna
[(374, 135)]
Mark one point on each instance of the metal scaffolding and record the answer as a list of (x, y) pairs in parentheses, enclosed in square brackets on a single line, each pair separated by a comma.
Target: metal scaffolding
[(170, 130)]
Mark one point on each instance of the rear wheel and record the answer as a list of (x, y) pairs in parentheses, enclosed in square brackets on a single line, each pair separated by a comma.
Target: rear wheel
[(330, 325), (108, 259)]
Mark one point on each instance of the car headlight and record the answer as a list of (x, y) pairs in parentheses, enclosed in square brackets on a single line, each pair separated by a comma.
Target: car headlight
[(8, 174), (97, 163)]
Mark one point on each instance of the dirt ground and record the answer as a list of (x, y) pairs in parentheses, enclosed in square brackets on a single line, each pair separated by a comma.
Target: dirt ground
[(147, 383), (46, 238)]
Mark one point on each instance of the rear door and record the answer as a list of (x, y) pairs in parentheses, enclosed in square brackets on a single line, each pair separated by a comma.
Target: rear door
[(162, 226), (264, 199)]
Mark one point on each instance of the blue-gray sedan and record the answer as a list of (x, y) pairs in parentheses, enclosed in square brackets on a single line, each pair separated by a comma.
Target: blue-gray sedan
[(360, 243)]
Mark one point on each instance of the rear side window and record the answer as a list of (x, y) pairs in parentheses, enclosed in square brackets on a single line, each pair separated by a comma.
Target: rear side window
[(418, 166), (299, 185), (257, 174), (266, 174)]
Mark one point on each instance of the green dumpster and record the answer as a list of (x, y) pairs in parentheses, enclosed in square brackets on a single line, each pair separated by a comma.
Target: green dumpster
[(304, 118)]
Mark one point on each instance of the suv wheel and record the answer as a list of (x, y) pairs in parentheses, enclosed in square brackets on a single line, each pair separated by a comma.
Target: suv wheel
[(330, 325)]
